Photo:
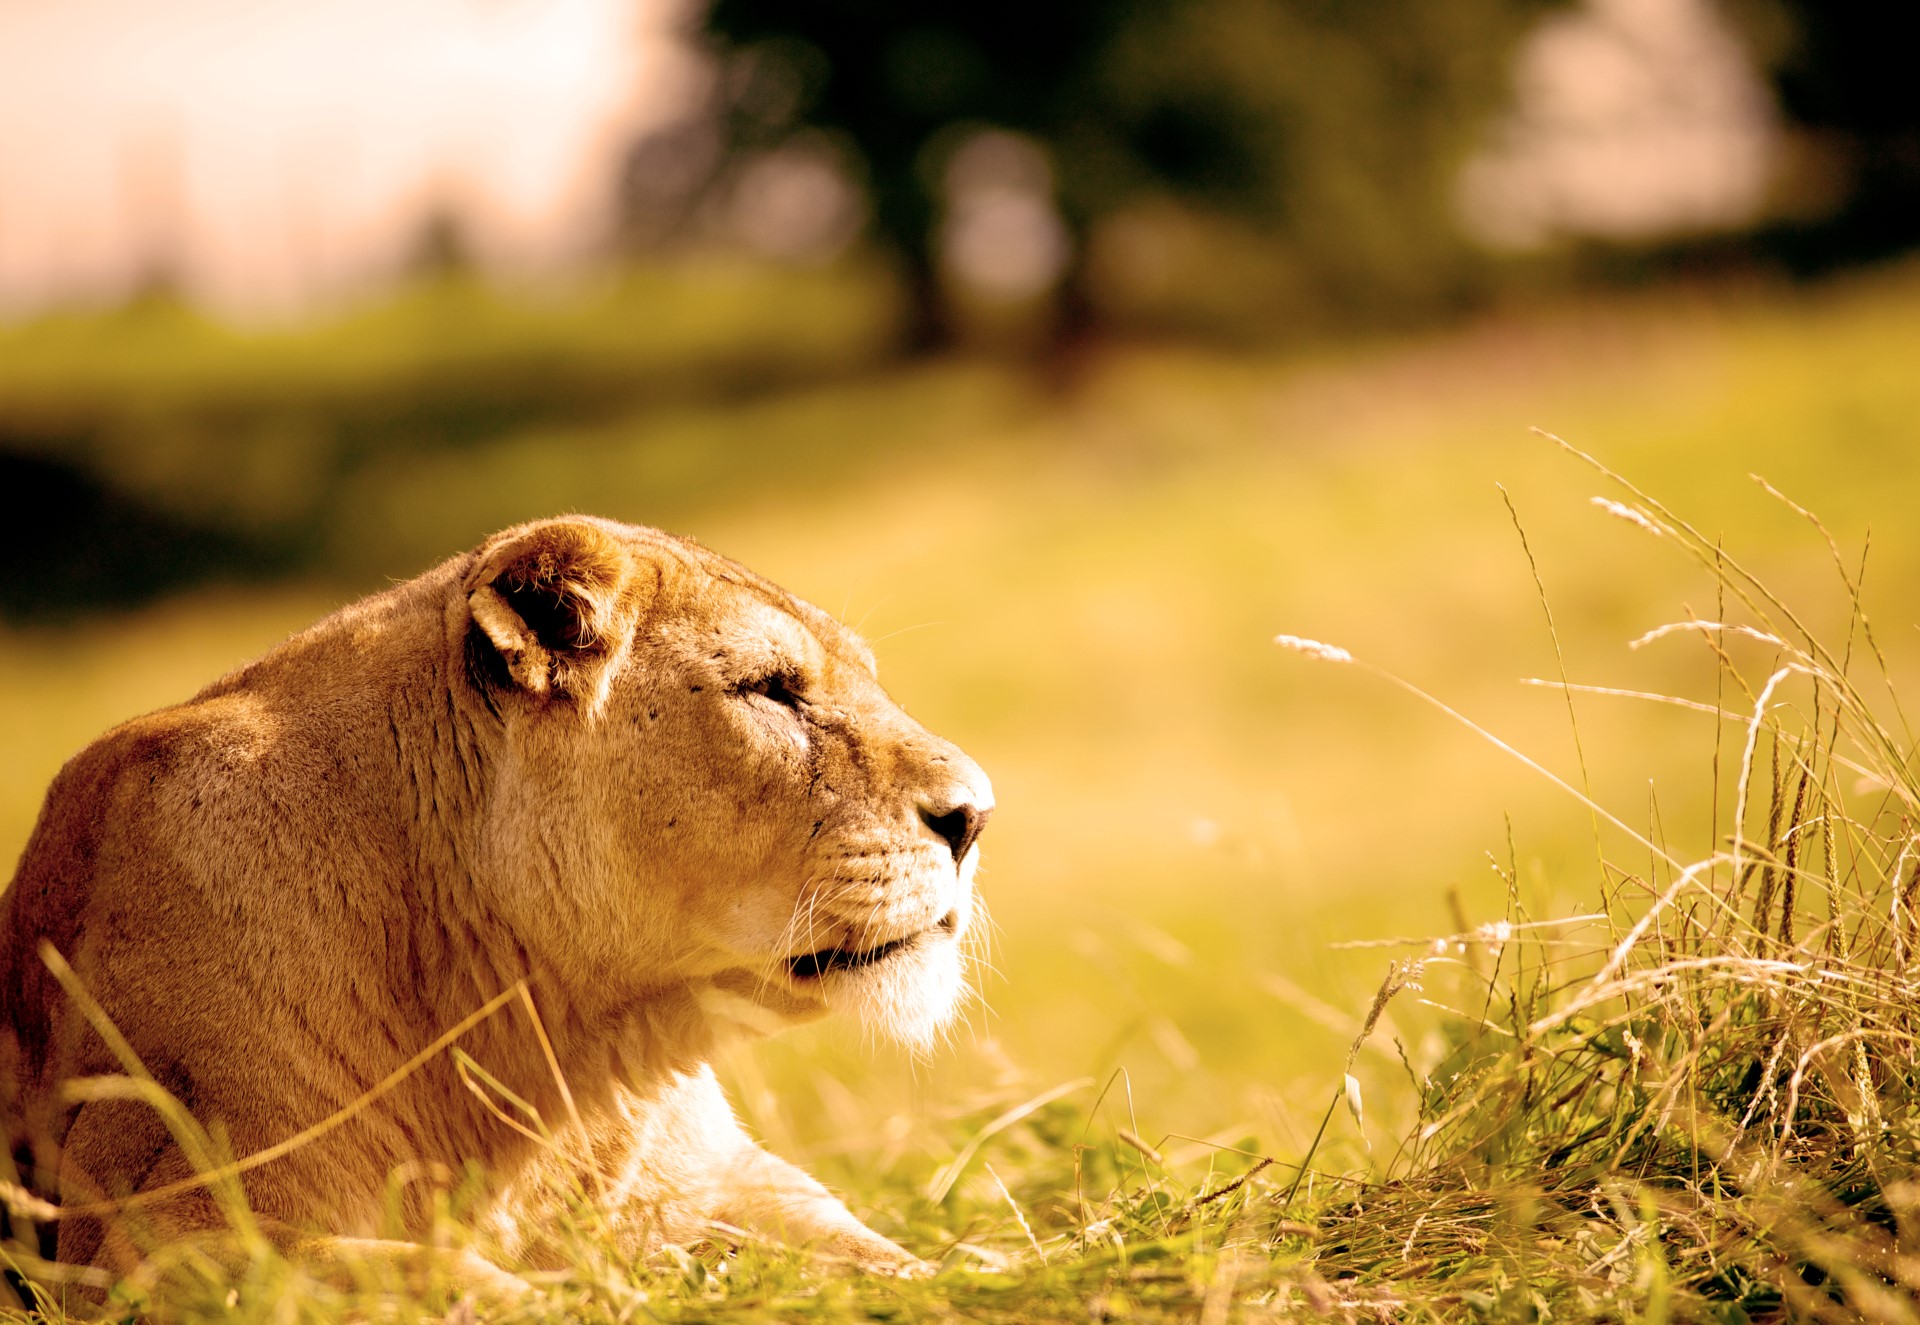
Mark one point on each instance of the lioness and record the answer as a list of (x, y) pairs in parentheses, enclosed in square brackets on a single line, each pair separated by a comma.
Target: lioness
[(666, 795)]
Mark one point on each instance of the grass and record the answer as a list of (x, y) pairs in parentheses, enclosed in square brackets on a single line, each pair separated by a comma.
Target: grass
[(1700, 1101), (1084, 590), (660, 328)]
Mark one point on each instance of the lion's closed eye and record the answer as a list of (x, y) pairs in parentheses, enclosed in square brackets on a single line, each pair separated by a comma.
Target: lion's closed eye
[(782, 686)]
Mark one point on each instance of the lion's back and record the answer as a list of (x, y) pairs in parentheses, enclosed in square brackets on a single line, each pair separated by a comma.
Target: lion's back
[(95, 816), (54, 882)]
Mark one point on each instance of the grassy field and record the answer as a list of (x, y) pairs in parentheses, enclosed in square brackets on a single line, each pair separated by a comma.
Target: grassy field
[(1081, 585)]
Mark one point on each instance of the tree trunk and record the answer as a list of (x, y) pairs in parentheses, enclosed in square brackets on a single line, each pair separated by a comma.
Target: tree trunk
[(927, 326)]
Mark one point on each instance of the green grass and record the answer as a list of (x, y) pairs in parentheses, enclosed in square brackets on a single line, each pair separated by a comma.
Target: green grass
[(1083, 589), (642, 326)]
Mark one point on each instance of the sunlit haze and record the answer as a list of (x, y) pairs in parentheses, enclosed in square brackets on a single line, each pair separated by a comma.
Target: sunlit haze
[(263, 152)]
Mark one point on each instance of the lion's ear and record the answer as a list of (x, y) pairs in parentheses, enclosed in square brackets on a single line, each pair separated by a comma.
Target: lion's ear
[(548, 598)]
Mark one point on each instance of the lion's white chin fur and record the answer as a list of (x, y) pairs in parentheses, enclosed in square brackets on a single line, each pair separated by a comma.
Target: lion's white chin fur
[(910, 998)]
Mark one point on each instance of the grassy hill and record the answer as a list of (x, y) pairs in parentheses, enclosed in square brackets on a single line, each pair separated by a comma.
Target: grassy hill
[(1081, 585)]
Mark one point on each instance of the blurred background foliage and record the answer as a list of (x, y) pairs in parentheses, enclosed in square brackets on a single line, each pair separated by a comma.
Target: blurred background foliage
[(1327, 135), (993, 178), (1072, 351)]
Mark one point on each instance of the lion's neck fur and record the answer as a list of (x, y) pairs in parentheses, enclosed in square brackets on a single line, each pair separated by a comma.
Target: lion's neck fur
[(439, 750)]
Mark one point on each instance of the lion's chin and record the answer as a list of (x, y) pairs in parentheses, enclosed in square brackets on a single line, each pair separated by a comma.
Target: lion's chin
[(909, 993)]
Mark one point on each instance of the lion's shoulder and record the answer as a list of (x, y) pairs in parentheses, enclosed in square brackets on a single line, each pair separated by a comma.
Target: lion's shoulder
[(81, 826), (85, 809)]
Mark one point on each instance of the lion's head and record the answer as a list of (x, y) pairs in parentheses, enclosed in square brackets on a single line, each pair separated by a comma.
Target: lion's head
[(700, 782)]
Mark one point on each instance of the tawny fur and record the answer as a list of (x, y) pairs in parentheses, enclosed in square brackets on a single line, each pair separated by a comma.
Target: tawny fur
[(586, 756)]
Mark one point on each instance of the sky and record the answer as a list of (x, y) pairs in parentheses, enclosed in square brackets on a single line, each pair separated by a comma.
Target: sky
[(268, 151)]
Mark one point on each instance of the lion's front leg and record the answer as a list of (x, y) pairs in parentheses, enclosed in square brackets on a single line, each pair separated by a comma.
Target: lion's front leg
[(682, 1161), (765, 1194)]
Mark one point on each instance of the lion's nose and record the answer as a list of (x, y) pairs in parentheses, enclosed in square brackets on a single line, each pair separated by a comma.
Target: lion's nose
[(957, 825)]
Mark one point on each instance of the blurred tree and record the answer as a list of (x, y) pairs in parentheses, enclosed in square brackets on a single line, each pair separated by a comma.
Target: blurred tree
[(442, 248), (1844, 77), (1325, 133)]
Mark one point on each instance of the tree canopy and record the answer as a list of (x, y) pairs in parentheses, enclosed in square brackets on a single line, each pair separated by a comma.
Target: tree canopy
[(1325, 134), (1845, 82)]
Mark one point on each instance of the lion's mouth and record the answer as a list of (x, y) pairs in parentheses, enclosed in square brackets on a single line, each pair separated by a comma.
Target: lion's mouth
[(816, 964)]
